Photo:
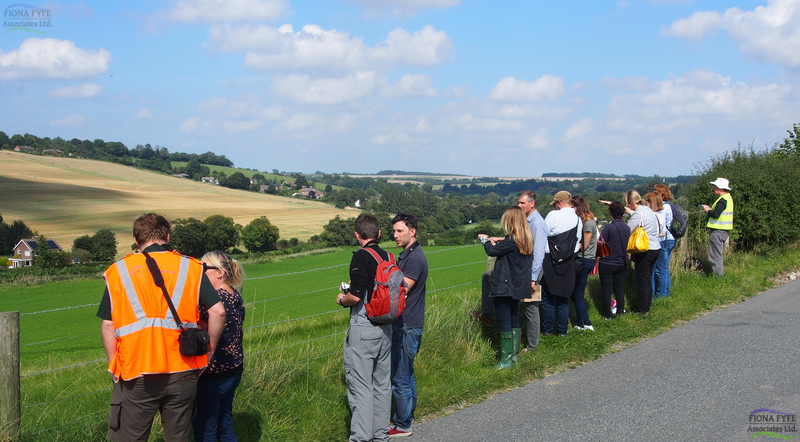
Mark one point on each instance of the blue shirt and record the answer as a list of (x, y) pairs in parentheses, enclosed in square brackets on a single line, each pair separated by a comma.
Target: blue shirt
[(539, 232)]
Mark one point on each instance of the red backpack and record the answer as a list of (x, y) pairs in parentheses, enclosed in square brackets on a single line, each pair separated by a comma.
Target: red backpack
[(388, 298)]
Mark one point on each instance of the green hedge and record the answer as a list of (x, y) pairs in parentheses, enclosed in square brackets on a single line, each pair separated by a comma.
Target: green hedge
[(764, 192)]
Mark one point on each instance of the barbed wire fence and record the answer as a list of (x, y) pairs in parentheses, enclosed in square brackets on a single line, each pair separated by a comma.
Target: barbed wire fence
[(4, 423)]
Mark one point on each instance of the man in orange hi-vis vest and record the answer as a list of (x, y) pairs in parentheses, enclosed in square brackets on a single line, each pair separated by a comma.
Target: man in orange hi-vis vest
[(140, 335)]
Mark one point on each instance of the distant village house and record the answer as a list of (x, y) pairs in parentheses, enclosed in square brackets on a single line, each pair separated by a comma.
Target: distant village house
[(26, 250), (26, 149)]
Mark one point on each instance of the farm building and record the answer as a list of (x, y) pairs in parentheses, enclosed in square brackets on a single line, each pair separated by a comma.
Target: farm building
[(26, 250)]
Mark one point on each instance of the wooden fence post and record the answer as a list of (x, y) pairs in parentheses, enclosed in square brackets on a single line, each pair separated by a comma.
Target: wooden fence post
[(10, 412)]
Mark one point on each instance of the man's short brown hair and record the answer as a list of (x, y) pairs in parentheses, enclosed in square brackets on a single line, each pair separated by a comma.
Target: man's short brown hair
[(151, 227), (367, 226)]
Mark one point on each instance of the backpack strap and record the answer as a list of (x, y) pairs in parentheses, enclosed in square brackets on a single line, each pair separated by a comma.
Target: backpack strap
[(378, 257)]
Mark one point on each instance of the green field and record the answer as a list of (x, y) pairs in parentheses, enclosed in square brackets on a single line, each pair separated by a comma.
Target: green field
[(293, 388), (292, 320)]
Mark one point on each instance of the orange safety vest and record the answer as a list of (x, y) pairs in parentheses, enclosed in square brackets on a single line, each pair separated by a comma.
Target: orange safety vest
[(147, 334)]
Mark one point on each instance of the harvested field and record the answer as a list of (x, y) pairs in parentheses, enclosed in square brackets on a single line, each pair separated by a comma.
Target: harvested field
[(64, 198)]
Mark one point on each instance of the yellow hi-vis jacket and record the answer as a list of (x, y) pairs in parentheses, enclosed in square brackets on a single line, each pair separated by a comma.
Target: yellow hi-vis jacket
[(725, 220), (147, 334)]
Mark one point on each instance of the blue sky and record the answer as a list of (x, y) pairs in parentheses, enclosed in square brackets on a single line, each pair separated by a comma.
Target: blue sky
[(510, 88)]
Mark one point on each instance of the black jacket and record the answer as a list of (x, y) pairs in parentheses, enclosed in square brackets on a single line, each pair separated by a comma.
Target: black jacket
[(512, 270)]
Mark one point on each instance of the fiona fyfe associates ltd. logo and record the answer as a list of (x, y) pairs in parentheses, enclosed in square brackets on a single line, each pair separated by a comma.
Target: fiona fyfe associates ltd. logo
[(22, 17), (772, 423)]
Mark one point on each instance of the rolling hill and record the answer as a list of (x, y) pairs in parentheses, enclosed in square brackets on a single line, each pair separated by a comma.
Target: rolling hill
[(64, 198)]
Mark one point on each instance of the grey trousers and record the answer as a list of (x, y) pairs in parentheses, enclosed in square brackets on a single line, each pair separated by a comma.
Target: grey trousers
[(716, 241), (368, 366), (531, 312)]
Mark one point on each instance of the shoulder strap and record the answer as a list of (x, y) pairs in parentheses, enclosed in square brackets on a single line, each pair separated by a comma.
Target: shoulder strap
[(378, 257), (159, 280)]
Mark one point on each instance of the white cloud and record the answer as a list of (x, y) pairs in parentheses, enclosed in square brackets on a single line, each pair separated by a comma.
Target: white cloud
[(579, 129), (539, 141), (52, 58), (546, 88), (190, 125), (302, 89), (472, 123), (411, 86), (143, 114), (404, 8), (227, 10), (86, 90), (307, 126), (70, 121), (241, 126), (313, 48), (390, 139), (697, 26), (213, 103), (768, 33), (702, 92), (427, 47)]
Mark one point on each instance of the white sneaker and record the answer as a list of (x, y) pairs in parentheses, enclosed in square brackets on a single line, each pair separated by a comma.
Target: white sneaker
[(588, 328), (579, 327)]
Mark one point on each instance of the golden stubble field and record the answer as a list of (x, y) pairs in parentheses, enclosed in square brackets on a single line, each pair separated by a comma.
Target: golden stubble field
[(64, 198)]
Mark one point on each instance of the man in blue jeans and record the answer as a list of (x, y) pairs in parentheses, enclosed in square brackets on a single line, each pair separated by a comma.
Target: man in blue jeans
[(407, 329)]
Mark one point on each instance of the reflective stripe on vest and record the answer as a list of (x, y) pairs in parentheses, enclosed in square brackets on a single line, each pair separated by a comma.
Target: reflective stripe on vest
[(142, 320), (725, 220), (146, 331)]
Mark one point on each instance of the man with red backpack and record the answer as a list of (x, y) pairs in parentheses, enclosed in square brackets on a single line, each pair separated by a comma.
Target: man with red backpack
[(367, 346)]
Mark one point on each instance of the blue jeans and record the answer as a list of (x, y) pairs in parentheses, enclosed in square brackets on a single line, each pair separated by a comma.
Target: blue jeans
[(405, 345), (507, 310), (213, 417), (554, 306), (581, 311), (661, 278)]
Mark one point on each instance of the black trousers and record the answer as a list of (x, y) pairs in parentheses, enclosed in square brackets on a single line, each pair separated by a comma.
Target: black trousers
[(612, 279), (645, 264)]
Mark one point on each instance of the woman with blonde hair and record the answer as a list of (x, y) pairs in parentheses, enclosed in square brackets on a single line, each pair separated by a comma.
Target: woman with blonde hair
[(585, 262), (510, 279), (644, 261), (662, 282), (216, 387)]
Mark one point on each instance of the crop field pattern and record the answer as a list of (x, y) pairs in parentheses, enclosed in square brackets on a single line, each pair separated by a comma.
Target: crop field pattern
[(64, 198), (292, 323)]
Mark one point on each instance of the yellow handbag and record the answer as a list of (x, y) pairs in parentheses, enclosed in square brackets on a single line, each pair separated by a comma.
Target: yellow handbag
[(638, 242)]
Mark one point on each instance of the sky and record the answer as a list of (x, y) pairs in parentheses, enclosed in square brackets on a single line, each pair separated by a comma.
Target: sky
[(508, 88)]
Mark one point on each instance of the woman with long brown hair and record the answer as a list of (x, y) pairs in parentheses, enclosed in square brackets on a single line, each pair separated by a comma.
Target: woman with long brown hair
[(586, 261), (663, 281), (510, 279)]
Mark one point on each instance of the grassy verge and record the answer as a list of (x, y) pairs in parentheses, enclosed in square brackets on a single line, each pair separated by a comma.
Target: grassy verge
[(293, 388), (308, 401)]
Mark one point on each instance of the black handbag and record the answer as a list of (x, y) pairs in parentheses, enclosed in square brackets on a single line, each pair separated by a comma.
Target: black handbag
[(193, 341)]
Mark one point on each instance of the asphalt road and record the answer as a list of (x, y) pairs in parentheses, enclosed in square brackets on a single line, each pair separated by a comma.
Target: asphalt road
[(698, 382)]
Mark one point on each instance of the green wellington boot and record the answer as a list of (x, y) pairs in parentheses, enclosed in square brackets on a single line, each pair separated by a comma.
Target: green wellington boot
[(506, 347), (516, 333)]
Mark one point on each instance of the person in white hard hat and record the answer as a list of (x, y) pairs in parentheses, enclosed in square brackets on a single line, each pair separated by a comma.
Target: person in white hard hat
[(720, 223)]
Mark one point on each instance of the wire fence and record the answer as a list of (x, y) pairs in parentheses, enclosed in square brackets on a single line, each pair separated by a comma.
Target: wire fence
[(252, 353)]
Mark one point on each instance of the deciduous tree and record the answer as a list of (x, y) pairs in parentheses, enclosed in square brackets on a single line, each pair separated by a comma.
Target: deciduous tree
[(260, 235)]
